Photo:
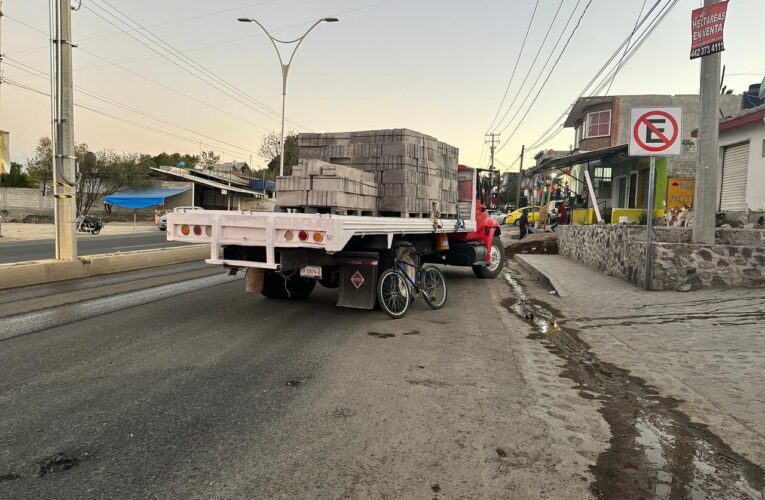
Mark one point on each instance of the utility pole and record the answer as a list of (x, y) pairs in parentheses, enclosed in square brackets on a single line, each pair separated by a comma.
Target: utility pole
[(2, 167), (493, 142), (520, 178), (705, 204), (1, 72), (64, 167)]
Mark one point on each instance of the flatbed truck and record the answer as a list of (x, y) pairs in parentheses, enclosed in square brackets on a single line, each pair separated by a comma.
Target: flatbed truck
[(284, 255)]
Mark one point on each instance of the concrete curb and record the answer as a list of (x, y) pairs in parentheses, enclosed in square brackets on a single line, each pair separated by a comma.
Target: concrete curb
[(545, 278), (48, 271)]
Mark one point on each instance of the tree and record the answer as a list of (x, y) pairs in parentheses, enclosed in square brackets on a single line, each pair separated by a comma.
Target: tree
[(106, 172), (269, 149), (40, 166), (208, 159), (15, 178), (172, 160)]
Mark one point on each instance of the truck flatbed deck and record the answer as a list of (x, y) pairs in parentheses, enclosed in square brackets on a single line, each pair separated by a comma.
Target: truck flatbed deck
[(272, 230)]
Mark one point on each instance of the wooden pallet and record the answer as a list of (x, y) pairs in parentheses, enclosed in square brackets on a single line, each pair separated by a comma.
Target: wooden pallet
[(367, 213), (333, 210)]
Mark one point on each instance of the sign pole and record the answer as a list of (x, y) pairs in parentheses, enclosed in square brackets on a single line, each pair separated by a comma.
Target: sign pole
[(705, 203), (649, 221)]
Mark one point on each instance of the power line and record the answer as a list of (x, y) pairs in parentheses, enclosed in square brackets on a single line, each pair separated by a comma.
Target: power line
[(536, 56), (153, 81), (41, 74), (184, 19), (652, 25), (214, 83), (563, 50), (129, 122), (515, 67), (208, 46), (629, 39), (549, 57)]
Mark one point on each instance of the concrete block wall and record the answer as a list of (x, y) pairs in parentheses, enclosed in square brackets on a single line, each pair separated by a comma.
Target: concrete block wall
[(18, 204), (736, 260)]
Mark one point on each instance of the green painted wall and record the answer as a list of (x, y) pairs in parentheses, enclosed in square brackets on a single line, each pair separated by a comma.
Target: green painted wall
[(661, 184)]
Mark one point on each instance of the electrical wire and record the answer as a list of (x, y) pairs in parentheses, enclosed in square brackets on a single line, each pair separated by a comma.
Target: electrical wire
[(129, 122), (41, 74), (552, 69), (515, 66), (195, 69), (640, 14), (649, 29), (536, 56), (124, 68)]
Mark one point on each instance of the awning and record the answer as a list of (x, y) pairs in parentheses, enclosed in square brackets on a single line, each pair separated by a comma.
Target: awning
[(185, 174), (142, 199), (567, 161)]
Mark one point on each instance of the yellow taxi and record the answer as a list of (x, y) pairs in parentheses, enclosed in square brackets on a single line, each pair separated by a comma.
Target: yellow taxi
[(512, 217)]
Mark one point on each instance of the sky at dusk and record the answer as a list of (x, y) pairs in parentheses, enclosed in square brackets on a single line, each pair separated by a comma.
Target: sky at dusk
[(435, 66)]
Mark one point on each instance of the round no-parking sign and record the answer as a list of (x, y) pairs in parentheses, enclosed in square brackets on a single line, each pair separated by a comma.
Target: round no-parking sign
[(655, 132)]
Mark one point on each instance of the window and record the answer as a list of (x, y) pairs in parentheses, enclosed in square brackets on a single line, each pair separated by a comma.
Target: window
[(602, 183), (598, 124), (578, 136)]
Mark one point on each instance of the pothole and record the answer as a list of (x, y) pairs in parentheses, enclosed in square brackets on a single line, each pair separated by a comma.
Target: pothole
[(655, 450), (58, 463)]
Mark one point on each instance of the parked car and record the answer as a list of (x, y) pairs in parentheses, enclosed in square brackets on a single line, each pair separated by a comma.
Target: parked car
[(512, 217), (509, 207), (497, 215), (163, 220)]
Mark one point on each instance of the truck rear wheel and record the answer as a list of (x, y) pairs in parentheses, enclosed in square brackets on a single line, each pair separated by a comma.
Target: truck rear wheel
[(276, 286), (495, 265)]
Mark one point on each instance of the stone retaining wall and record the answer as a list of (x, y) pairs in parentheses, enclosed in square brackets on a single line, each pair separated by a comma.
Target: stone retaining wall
[(736, 260)]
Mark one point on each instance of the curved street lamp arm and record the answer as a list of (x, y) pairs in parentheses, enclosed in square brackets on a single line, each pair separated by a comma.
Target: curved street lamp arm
[(273, 40), (300, 40)]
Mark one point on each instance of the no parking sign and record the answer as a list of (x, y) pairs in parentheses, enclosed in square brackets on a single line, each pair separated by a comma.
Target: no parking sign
[(656, 132)]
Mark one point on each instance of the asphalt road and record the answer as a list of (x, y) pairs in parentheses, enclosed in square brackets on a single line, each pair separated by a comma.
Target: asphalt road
[(174, 383), (19, 251)]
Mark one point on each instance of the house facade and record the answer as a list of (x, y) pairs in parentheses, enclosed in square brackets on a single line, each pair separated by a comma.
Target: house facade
[(601, 136), (741, 185)]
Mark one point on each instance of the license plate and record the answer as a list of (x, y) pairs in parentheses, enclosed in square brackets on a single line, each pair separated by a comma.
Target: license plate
[(310, 272)]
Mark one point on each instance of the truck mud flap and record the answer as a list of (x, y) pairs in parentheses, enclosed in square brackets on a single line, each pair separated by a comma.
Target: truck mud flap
[(358, 285)]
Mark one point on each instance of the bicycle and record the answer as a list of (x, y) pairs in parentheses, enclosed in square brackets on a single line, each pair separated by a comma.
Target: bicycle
[(396, 289)]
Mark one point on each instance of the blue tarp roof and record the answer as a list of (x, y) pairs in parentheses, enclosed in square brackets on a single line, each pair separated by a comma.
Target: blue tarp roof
[(142, 199)]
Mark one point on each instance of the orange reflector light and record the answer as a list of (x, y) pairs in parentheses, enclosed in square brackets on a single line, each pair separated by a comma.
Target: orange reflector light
[(185, 230), (288, 235), (303, 235), (318, 237), (208, 230), (198, 230)]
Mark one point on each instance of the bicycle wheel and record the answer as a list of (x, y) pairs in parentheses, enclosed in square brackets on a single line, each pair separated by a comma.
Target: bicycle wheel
[(433, 287), (393, 294)]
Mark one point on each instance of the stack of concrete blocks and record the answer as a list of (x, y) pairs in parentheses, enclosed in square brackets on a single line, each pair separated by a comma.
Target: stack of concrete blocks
[(318, 184), (416, 173)]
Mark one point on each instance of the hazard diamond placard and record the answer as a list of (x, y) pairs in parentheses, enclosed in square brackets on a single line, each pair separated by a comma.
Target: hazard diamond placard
[(656, 132)]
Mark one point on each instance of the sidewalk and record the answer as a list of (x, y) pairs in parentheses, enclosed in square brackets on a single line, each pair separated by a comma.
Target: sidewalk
[(705, 348), (15, 231)]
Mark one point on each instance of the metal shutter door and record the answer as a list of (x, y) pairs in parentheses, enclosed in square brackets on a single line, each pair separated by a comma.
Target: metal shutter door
[(734, 172)]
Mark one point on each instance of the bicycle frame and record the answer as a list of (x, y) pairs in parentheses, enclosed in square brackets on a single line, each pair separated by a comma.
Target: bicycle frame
[(400, 266)]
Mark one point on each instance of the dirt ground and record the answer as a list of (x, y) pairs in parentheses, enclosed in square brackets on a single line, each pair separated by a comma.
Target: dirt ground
[(14, 231)]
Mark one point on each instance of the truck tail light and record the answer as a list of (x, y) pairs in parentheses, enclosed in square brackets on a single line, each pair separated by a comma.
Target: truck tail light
[(208, 230), (318, 237), (198, 230), (185, 230), (288, 235), (303, 235)]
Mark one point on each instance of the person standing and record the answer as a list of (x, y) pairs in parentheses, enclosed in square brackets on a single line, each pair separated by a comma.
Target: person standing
[(523, 223)]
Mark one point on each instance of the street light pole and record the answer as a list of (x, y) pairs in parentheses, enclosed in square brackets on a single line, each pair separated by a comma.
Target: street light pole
[(285, 68)]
